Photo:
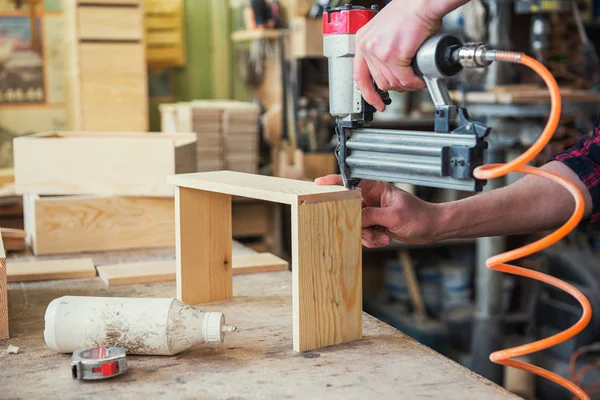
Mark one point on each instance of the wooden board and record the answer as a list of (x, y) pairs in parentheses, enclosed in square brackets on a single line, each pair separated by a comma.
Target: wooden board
[(7, 175), (50, 269), (13, 239), (159, 271), (4, 332), (203, 245), (77, 163), (110, 23), (327, 273), (58, 225), (278, 190)]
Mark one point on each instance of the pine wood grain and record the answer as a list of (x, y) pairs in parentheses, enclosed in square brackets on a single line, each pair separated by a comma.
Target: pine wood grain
[(278, 190), (13, 239), (159, 271), (327, 273), (4, 332), (203, 245), (21, 271), (58, 225), (110, 23)]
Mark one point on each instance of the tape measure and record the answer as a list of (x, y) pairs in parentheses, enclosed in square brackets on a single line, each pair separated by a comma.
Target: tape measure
[(98, 363)]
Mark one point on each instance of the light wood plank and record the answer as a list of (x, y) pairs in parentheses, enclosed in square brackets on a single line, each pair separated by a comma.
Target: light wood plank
[(278, 190), (101, 58), (50, 270), (327, 273), (203, 246), (258, 263), (4, 332), (7, 175), (13, 239), (98, 223), (159, 271), (110, 23), (114, 102), (139, 163)]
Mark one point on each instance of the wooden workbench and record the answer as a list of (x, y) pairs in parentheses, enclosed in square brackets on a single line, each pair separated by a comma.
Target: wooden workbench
[(255, 362)]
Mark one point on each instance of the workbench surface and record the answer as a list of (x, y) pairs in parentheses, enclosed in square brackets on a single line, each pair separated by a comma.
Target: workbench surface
[(255, 362)]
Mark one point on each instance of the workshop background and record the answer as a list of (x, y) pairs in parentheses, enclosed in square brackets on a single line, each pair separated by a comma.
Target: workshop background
[(250, 79)]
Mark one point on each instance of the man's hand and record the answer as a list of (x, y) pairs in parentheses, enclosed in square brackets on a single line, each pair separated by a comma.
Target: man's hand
[(391, 213), (387, 44)]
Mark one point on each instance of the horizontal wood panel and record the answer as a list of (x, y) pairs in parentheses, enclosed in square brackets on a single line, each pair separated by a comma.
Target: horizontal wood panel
[(261, 187), (99, 165), (114, 102), (50, 270), (75, 224), (111, 2), (111, 58), (163, 38), (110, 23)]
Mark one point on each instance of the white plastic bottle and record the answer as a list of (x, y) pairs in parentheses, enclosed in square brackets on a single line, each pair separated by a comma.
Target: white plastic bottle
[(140, 325)]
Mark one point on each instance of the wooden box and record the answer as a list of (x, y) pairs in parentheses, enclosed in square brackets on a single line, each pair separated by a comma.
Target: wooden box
[(106, 66), (72, 224), (133, 164)]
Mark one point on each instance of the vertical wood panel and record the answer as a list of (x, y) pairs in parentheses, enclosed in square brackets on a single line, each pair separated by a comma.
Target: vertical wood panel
[(3, 295), (327, 273), (203, 245)]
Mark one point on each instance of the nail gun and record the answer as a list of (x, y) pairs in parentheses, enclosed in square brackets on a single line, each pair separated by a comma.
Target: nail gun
[(444, 158)]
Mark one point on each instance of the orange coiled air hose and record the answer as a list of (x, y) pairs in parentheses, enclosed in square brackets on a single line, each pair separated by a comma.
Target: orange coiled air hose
[(499, 262)]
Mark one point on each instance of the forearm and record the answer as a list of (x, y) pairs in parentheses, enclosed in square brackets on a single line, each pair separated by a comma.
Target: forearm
[(529, 205)]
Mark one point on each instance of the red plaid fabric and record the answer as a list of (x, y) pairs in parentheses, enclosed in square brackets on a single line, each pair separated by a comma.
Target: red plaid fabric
[(584, 160)]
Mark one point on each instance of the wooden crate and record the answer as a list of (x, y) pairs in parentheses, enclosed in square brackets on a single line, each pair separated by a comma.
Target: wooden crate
[(109, 163), (73, 224), (107, 88)]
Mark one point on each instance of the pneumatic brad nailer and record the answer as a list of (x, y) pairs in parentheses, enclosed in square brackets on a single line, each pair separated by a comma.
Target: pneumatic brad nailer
[(444, 158)]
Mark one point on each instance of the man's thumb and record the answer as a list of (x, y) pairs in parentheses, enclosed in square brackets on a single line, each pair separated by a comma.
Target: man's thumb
[(382, 216)]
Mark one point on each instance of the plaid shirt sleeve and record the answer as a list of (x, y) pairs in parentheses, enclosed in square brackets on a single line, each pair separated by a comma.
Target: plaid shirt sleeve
[(584, 160)]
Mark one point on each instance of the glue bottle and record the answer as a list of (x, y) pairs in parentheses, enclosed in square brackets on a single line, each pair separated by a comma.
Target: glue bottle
[(141, 326)]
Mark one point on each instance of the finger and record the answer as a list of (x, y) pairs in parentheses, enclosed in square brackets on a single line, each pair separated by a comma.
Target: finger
[(375, 238), (379, 216), (393, 83), (377, 73), (372, 191), (362, 77), (329, 180)]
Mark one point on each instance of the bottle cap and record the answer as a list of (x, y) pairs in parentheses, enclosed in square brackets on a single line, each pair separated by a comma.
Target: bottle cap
[(213, 323)]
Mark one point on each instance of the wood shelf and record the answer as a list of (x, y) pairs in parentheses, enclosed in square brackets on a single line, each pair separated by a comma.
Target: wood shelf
[(257, 34)]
